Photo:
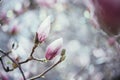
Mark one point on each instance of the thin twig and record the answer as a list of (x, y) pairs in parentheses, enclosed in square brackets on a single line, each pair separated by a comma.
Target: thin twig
[(6, 69), (3, 65), (15, 63), (27, 60), (32, 58), (7, 53), (33, 49), (42, 74), (40, 60)]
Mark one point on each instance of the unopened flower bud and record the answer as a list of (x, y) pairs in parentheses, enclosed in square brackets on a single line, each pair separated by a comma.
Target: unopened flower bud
[(53, 49), (43, 30)]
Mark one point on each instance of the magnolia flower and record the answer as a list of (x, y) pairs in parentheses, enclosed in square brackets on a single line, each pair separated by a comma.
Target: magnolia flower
[(53, 49), (43, 30)]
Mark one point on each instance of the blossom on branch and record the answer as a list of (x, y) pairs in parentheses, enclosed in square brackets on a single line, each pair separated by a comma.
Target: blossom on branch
[(43, 30), (53, 49)]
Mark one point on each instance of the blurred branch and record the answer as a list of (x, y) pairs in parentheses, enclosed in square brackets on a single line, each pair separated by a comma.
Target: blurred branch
[(32, 58), (6, 69), (13, 62), (7, 53)]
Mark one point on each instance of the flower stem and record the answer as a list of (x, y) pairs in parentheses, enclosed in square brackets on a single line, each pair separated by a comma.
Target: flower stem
[(43, 73), (33, 49)]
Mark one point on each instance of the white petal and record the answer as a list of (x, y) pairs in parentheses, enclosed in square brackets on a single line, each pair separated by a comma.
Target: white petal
[(55, 44), (44, 27)]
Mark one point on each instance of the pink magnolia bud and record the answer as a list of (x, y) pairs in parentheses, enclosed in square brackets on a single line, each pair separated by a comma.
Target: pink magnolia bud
[(53, 49), (43, 30)]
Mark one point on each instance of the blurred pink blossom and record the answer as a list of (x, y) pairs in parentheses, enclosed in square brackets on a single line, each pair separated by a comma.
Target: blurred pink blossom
[(3, 77), (2, 15), (53, 49), (43, 30), (4, 18), (46, 3), (15, 29), (111, 40)]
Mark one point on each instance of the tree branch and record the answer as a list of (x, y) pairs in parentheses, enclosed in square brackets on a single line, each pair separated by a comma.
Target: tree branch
[(43, 73), (4, 53)]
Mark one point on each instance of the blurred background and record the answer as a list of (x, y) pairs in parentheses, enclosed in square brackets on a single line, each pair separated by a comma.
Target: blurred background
[(89, 56)]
